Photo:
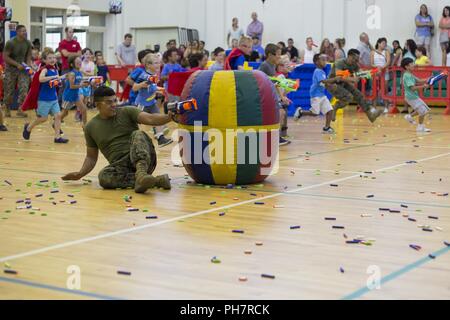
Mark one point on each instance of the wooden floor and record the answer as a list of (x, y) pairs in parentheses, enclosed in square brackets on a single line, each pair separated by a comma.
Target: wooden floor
[(170, 257)]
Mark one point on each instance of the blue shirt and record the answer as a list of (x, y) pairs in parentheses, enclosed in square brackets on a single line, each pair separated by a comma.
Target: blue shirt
[(102, 71), (45, 92), (72, 95), (259, 49), (237, 62), (134, 76), (146, 97), (423, 31), (168, 69), (318, 88)]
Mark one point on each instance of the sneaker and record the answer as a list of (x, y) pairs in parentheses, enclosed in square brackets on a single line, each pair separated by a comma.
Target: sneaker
[(410, 119), (298, 114), (373, 114), (284, 142), (3, 127), (328, 130), (163, 141), (421, 128), (61, 140), (26, 134)]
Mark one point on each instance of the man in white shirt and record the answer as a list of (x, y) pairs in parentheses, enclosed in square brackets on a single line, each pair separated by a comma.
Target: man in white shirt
[(364, 48), (307, 55), (235, 32)]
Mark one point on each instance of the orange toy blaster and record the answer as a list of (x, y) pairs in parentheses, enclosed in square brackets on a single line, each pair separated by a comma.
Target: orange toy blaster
[(183, 106), (93, 80)]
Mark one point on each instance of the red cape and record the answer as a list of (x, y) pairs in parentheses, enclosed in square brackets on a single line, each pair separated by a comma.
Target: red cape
[(236, 52), (31, 101)]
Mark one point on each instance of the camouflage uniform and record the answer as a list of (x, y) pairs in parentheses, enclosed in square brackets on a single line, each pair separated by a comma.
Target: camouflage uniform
[(345, 93), (13, 77), (121, 174)]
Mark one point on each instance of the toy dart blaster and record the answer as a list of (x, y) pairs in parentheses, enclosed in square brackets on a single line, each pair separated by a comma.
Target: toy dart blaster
[(367, 74), (343, 74), (28, 69), (56, 82), (439, 77), (183, 106), (153, 79), (93, 80), (287, 85)]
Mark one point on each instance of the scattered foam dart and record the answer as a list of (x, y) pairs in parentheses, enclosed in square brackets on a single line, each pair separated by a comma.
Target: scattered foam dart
[(240, 102)]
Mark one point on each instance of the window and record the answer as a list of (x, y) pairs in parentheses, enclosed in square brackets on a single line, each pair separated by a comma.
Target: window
[(81, 38), (80, 21), (54, 20), (52, 39)]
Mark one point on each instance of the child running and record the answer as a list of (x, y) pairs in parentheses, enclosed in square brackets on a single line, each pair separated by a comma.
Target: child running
[(412, 85), (147, 92), (319, 101), (47, 97), (73, 84)]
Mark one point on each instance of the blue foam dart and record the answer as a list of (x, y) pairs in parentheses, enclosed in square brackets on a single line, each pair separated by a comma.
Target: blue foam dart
[(437, 78)]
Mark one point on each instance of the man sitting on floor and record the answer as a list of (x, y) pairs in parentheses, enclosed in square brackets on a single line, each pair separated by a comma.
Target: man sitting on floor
[(130, 152)]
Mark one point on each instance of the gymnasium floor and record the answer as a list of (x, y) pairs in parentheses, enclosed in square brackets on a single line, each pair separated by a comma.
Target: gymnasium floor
[(170, 257)]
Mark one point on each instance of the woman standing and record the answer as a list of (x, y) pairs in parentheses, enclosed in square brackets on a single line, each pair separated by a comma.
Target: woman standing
[(327, 49), (410, 50), (424, 28), (398, 54), (339, 52), (381, 58), (444, 36)]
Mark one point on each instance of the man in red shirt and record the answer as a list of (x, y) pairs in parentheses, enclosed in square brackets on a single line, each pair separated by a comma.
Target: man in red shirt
[(69, 47)]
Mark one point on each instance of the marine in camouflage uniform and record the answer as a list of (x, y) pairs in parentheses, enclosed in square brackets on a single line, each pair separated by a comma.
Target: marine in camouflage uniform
[(346, 92)]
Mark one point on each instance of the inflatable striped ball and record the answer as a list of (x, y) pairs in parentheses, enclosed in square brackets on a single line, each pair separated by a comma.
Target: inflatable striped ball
[(233, 136)]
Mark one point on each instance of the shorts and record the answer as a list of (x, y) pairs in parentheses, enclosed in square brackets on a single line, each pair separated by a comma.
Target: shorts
[(419, 106), (423, 40), (85, 92), (46, 108), (154, 109), (320, 105), (69, 105)]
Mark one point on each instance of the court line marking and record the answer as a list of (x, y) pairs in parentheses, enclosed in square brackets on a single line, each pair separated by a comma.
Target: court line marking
[(58, 289), (406, 269), (192, 215)]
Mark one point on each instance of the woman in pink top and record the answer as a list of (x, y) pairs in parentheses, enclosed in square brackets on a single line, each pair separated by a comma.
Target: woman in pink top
[(444, 25)]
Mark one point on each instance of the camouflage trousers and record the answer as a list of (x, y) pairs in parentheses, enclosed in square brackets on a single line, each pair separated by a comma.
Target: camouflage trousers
[(121, 174), (345, 93), (14, 77)]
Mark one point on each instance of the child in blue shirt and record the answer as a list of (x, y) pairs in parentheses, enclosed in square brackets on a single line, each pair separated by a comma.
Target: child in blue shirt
[(71, 95), (48, 98), (147, 93), (171, 66), (319, 101)]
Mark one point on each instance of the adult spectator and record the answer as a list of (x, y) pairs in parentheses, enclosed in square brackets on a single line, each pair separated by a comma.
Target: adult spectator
[(202, 48), (397, 54), (444, 36), (307, 54), (380, 58), (327, 49), (69, 47), (365, 49), (293, 51), (126, 52), (339, 52), (410, 50), (255, 28), (17, 51), (235, 33), (283, 48), (424, 28)]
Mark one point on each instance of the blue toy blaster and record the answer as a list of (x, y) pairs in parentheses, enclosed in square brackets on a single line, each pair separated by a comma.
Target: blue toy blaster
[(439, 77)]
